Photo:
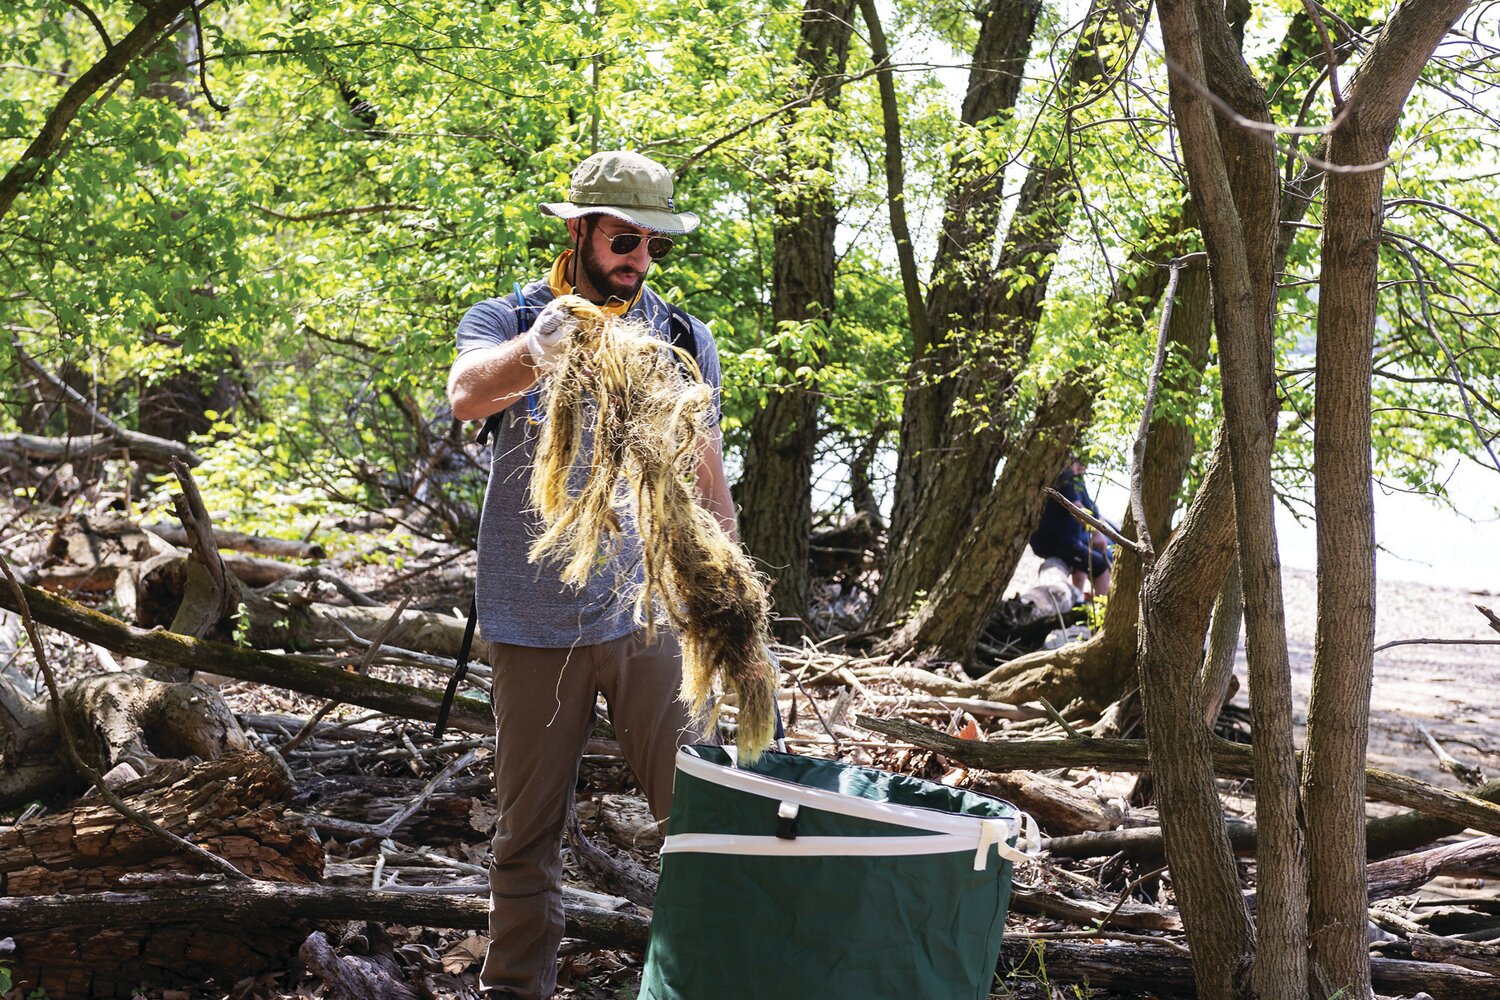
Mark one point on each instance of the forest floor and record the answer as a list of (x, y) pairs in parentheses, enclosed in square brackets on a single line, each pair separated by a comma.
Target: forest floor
[(1451, 690)]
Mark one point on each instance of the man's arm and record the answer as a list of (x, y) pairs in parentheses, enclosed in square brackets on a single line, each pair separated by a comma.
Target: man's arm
[(488, 379), (713, 486)]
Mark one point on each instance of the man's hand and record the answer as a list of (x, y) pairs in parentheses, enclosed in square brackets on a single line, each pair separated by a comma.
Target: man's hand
[(549, 335)]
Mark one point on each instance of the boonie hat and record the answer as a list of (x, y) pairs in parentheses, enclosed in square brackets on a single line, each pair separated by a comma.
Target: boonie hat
[(628, 186)]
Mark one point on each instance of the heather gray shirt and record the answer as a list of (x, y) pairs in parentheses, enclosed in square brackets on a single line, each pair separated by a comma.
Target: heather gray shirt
[(526, 604)]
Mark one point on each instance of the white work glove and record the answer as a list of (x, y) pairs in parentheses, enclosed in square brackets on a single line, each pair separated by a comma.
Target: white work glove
[(548, 337)]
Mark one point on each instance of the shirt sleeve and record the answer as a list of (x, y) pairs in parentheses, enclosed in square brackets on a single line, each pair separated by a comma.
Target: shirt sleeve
[(487, 324)]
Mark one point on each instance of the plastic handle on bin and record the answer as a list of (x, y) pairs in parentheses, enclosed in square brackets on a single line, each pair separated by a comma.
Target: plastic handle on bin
[(786, 820), (990, 833)]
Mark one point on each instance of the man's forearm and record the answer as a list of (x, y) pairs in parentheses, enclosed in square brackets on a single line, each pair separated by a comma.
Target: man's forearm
[(713, 487), (487, 380)]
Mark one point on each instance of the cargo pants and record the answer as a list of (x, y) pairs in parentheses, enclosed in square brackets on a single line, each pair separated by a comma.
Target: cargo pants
[(544, 712)]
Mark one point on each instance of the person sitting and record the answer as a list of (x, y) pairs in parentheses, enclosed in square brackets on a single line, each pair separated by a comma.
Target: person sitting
[(1060, 535)]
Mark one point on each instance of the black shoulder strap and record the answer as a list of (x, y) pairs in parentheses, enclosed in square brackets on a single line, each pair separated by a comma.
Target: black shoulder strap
[(681, 326), (459, 669)]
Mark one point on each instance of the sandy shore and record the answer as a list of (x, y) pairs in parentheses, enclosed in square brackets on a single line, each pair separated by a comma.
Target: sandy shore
[(1452, 690)]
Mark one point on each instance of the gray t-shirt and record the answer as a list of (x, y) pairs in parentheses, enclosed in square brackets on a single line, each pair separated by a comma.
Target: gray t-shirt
[(526, 604)]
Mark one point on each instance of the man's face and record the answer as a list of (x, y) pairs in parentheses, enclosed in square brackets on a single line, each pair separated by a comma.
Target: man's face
[(612, 275)]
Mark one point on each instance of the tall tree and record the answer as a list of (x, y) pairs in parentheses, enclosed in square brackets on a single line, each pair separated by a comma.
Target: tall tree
[(775, 493), (947, 456), (1343, 663)]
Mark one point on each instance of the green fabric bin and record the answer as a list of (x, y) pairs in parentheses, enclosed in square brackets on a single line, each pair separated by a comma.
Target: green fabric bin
[(805, 879)]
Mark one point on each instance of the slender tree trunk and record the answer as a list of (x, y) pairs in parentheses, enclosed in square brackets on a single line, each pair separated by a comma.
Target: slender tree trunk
[(1176, 598), (1339, 710), (1233, 179), (776, 491)]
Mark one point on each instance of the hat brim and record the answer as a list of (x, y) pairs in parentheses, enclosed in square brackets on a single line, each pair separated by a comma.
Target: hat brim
[(647, 218)]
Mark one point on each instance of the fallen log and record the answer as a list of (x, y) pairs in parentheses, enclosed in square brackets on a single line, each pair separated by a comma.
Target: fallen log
[(1132, 968), (1230, 760), (1125, 967), (265, 902), (54, 611), (1057, 807), (317, 625), (232, 807), (284, 548), (1479, 857), (1384, 835)]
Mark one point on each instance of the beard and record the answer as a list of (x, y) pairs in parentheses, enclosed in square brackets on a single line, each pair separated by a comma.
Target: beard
[(609, 282)]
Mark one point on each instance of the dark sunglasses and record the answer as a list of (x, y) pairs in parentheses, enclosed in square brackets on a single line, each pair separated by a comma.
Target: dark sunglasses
[(657, 246)]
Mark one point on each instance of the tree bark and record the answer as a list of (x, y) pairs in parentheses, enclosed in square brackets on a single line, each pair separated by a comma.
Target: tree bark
[(926, 527), (775, 492), (1343, 662), (1233, 179)]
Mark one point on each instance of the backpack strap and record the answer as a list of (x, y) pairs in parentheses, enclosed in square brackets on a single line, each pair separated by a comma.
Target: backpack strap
[(680, 326), (461, 668)]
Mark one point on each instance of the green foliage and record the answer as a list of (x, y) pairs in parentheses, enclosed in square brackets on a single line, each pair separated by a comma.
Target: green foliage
[(380, 170)]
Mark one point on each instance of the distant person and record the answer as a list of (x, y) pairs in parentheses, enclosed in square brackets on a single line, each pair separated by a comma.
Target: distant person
[(1062, 536)]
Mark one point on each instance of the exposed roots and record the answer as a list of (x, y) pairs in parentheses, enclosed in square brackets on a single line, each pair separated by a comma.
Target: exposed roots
[(620, 390)]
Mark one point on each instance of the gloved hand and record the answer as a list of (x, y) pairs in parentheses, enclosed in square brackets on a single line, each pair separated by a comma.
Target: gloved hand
[(548, 337)]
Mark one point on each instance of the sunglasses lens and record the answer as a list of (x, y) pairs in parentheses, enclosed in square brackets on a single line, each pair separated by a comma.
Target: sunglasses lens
[(657, 246)]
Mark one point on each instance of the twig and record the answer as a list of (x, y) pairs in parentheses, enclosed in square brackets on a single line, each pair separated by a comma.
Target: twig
[(1098, 524), (383, 831), (1125, 895), (222, 109), (1057, 717), (129, 812), (1494, 619), (1463, 388), (1138, 465), (364, 667), (1331, 62), (1463, 772), (1438, 642)]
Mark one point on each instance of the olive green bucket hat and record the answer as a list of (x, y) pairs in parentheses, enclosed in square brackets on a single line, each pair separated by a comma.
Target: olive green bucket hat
[(628, 186)]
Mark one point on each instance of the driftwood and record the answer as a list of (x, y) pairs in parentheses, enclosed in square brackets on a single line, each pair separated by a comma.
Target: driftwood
[(1132, 968), (1057, 807), (231, 807), (469, 714), (1403, 831), (267, 903), (1230, 760), (283, 548), (1398, 876), (310, 626), (612, 874)]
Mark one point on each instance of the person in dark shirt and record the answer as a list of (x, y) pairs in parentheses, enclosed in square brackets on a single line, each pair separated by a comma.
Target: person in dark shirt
[(1062, 536)]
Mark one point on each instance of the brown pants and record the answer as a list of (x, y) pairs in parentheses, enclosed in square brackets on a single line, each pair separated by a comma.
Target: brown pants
[(544, 712)]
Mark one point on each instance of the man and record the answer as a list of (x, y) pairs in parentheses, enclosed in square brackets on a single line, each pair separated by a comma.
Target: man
[(553, 648), (1062, 536)]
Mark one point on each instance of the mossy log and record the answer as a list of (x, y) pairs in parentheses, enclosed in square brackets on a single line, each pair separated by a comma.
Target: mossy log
[(157, 645)]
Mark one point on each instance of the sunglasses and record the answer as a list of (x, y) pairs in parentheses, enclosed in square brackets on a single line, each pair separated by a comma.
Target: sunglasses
[(657, 246)]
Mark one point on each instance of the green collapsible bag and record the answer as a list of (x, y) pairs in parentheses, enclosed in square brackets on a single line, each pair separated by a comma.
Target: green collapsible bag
[(804, 879)]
